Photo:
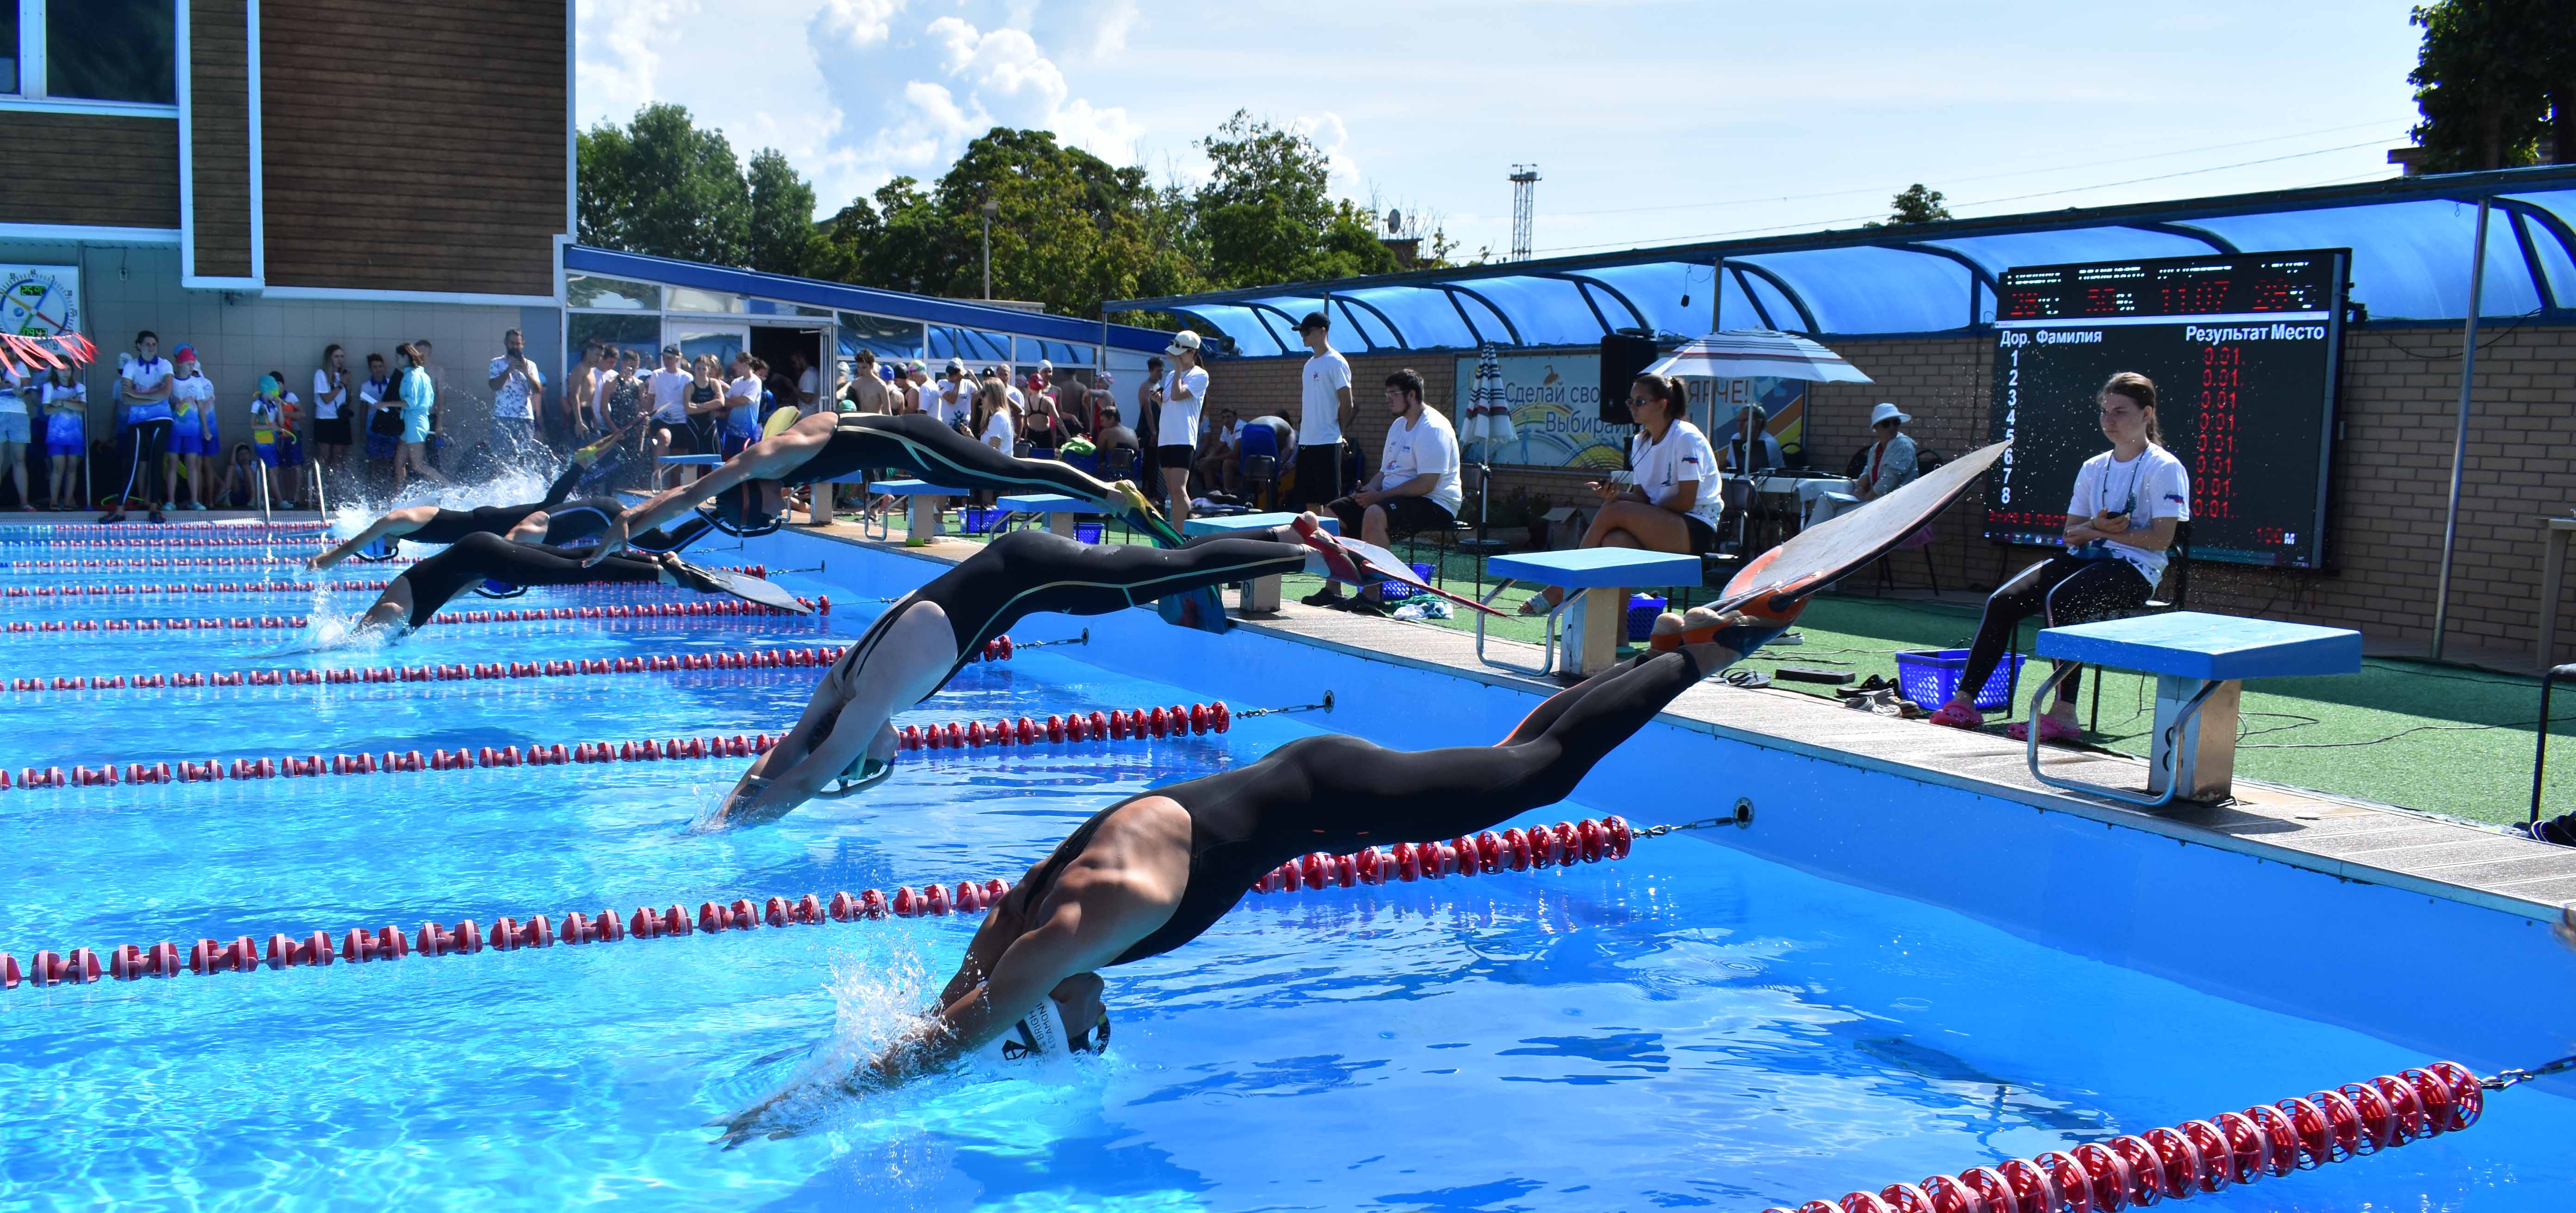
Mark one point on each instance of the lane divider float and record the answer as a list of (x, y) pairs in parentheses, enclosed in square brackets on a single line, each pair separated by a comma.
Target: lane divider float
[(167, 562), (725, 607), (1000, 648), (186, 588)]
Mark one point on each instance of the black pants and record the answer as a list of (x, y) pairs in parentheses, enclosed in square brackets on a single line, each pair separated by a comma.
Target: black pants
[(1404, 515), (1339, 793), (151, 440), (2065, 589), (483, 556), (1319, 472)]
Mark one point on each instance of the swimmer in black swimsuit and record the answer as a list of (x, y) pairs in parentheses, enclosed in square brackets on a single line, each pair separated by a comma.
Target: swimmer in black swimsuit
[(413, 598), (846, 741), (750, 489), (1152, 872), (565, 518)]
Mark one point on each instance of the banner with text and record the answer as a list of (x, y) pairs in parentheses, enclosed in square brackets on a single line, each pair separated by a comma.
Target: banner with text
[(1556, 407)]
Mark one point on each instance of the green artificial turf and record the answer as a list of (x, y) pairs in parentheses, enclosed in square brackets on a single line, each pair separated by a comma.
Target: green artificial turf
[(2441, 739)]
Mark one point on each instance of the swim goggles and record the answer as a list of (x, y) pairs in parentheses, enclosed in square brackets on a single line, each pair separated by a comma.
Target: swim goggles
[(1041, 1033), (859, 777)]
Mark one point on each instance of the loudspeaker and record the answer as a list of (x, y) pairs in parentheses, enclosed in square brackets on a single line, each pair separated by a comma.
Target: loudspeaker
[(1623, 358)]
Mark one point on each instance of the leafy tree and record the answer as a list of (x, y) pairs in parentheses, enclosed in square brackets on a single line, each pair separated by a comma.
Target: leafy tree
[(1915, 205), (783, 238), (2487, 78), (660, 185), (1267, 215)]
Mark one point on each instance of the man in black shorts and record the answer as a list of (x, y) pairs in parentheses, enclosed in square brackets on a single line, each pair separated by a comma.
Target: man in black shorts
[(1416, 489), (1325, 409)]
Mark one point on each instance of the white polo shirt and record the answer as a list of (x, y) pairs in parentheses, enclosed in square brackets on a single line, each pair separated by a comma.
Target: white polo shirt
[(2150, 487), (1428, 447), (141, 376), (1319, 411), (1683, 455), (1179, 423)]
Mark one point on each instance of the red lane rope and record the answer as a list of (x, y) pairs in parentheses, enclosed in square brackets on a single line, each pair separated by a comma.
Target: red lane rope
[(2198, 1156), (1131, 725), (182, 562), (173, 541), (645, 610), (96, 530), (999, 648), (185, 588), (1561, 845)]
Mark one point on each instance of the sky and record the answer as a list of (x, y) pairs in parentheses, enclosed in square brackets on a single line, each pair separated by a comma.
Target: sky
[(1649, 122)]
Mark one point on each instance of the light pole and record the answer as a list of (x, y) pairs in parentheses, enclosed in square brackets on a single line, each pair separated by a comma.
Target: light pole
[(990, 209)]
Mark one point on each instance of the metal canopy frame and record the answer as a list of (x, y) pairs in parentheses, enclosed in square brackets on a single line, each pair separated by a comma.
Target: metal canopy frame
[(2532, 221)]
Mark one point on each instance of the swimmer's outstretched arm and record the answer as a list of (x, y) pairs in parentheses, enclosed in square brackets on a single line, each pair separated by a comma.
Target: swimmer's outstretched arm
[(1080, 932), (768, 459), (396, 524)]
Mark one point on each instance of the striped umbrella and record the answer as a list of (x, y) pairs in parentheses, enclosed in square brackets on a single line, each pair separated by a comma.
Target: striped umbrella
[(1756, 354), (1488, 419)]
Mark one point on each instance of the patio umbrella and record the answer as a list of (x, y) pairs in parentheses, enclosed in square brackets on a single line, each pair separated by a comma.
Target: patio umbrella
[(1756, 354), (1487, 425)]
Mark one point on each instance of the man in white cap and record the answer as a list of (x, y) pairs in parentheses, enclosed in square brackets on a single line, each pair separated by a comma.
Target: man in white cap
[(1884, 466), (1184, 395), (956, 397)]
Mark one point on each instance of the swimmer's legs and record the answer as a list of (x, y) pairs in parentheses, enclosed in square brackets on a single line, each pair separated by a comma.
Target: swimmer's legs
[(1026, 572), (943, 456)]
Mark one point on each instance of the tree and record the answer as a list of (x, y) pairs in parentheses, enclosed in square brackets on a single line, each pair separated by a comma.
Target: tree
[(1267, 214), (2487, 78), (1915, 205), (662, 186), (783, 238)]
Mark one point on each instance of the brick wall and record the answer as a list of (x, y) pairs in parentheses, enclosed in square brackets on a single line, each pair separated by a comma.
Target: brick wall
[(2390, 481)]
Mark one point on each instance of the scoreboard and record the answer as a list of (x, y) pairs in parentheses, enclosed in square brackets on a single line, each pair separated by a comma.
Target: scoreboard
[(2243, 349)]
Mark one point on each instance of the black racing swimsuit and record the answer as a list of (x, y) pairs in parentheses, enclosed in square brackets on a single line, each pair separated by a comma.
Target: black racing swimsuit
[(1027, 572), (483, 556), (574, 520), (917, 444), (1337, 793)]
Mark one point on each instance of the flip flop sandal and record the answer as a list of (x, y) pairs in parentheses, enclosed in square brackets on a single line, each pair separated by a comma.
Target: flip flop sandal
[(1751, 680)]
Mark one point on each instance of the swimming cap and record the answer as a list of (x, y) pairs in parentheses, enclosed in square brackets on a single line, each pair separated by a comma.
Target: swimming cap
[(779, 419), (1041, 1033), (269, 383)]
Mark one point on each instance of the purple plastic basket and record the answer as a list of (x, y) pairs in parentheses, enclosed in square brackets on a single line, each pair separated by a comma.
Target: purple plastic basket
[(1931, 677)]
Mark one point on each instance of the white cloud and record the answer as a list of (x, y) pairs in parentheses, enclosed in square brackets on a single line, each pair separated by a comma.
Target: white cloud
[(1001, 77), (620, 59), (1332, 139), (856, 23)]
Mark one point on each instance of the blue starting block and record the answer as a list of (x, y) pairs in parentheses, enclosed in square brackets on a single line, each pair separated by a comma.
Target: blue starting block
[(1260, 596), (2201, 662), (923, 503), (694, 461), (1603, 575), (1058, 509)]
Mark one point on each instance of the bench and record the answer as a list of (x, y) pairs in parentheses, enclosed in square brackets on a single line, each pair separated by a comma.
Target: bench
[(1603, 575), (2201, 662), (921, 509), (1058, 508), (1260, 595)]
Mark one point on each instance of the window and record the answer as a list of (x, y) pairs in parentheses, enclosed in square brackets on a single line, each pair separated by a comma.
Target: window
[(8, 47), (618, 294), (642, 334), (691, 299), (891, 339), (109, 50)]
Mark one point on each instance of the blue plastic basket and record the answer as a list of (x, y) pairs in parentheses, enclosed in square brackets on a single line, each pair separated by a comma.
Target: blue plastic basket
[(979, 519), (1642, 609), (1931, 677), (1397, 591), (1087, 532)]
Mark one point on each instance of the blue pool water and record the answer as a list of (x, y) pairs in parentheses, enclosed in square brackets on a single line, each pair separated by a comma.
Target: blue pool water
[(1699, 1026)]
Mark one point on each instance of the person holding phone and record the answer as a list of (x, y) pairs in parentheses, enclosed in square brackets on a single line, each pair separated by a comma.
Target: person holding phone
[(516, 386), (2121, 521)]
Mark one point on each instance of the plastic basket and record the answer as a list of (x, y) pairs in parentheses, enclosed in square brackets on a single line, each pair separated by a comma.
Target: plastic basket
[(1931, 678), (978, 520), (1397, 591), (1642, 609), (1087, 532)]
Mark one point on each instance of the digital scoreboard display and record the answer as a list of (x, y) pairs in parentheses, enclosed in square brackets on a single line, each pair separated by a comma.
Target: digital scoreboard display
[(2243, 350)]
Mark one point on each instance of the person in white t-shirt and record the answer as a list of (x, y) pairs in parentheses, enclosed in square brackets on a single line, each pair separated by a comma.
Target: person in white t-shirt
[(2128, 504), (1325, 409), (809, 383), (1416, 489), (668, 391), (1668, 500), (518, 387), (333, 411), (1184, 395), (17, 427), (196, 445), (143, 393), (65, 400)]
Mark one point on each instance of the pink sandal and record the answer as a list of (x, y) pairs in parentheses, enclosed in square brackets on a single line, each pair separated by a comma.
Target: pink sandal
[(1958, 714), (2050, 729)]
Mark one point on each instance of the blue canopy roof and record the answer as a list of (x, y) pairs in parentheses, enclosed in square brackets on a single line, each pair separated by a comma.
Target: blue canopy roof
[(974, 325), (2409, 238)]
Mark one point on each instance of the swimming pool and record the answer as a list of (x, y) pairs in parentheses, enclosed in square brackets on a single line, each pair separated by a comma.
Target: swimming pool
[(1879, 979)]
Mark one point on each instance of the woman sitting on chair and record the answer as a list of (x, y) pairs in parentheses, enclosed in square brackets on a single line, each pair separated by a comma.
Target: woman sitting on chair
[(1668, 502), (2127, 502)]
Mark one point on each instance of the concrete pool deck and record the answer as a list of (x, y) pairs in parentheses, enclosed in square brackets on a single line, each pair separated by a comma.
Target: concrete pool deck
[(2348, 839)]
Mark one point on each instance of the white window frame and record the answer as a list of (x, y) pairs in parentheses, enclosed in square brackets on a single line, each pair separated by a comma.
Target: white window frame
[(31, 96)]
